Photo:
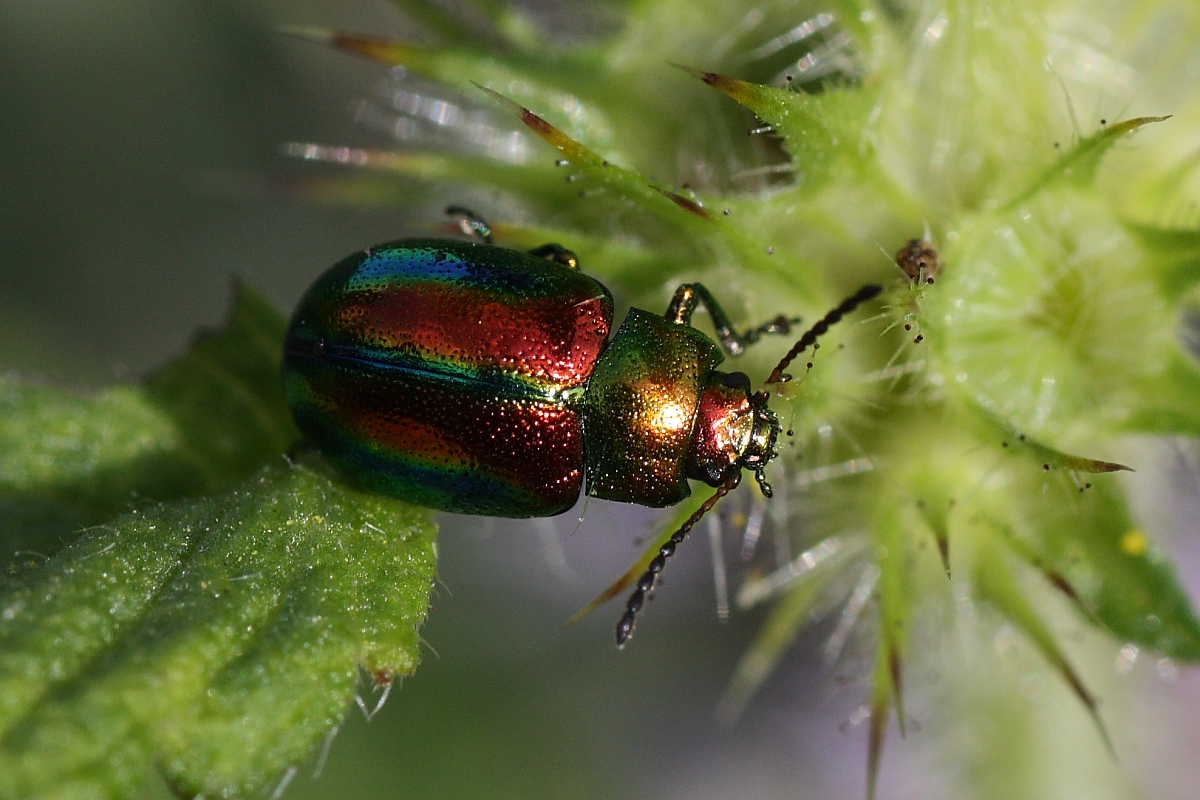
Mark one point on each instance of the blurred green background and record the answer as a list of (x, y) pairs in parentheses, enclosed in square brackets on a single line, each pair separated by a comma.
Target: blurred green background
[(142, 171)]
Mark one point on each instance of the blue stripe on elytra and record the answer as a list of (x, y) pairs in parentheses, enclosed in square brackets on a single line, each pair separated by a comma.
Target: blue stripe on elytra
[(387, 470), (491, 381), (432, 263)]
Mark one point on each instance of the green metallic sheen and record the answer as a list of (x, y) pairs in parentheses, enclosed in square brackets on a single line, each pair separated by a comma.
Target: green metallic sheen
[(640, 410)]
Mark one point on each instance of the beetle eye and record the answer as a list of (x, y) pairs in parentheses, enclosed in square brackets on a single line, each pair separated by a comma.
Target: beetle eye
[(737, 380)]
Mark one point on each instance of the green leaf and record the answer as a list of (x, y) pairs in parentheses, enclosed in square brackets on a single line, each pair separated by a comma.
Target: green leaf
[(201, 424), (1015, 441), (541, 78), (379, 177), (1033, 319), (687, 217), (215, 639), (895, 601), (1177, 256), (1171, 404), (1000, 587), (225, 395), (1090, 548), (1079, 164), (596, 169), (825, 133)]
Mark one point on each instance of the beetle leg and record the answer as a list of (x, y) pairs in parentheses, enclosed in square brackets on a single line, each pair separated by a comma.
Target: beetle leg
[(557, 253), (690, 295), (471, 224), (687, 297), (779, 324)]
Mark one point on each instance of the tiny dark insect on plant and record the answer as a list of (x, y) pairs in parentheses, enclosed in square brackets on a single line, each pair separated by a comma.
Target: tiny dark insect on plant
[(483, 380)]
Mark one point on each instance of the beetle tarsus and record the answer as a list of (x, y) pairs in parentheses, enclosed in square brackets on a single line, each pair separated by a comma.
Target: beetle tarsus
[(625, 628), (780, 324), (471, 224), (553, 251), (763, 485), (690, 295)]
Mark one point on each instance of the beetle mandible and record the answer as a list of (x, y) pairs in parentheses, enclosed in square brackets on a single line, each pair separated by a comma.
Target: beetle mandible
[(483, 380)]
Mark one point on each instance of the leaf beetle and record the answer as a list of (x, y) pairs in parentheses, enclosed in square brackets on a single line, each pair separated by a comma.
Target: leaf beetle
[(483, 380)]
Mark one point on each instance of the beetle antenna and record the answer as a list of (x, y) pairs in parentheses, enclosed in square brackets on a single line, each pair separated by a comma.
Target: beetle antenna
[(816, 331), (645, 584)]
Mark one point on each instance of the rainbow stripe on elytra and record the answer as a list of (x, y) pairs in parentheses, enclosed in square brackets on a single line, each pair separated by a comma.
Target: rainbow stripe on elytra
[(433, 370), (432, 307)]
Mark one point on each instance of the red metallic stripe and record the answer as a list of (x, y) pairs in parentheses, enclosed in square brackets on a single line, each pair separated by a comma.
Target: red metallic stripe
[(553, 339), (533, 445)]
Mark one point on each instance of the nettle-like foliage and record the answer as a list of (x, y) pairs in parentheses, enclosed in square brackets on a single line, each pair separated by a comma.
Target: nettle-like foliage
[(176, 598), (208, 621), (976, 431)]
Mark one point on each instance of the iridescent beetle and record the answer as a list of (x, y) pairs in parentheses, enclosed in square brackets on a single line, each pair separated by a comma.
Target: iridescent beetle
[(483, 380)]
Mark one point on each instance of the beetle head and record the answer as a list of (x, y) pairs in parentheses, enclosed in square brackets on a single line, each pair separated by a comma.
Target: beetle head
[(734, 430), (762, 440)]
